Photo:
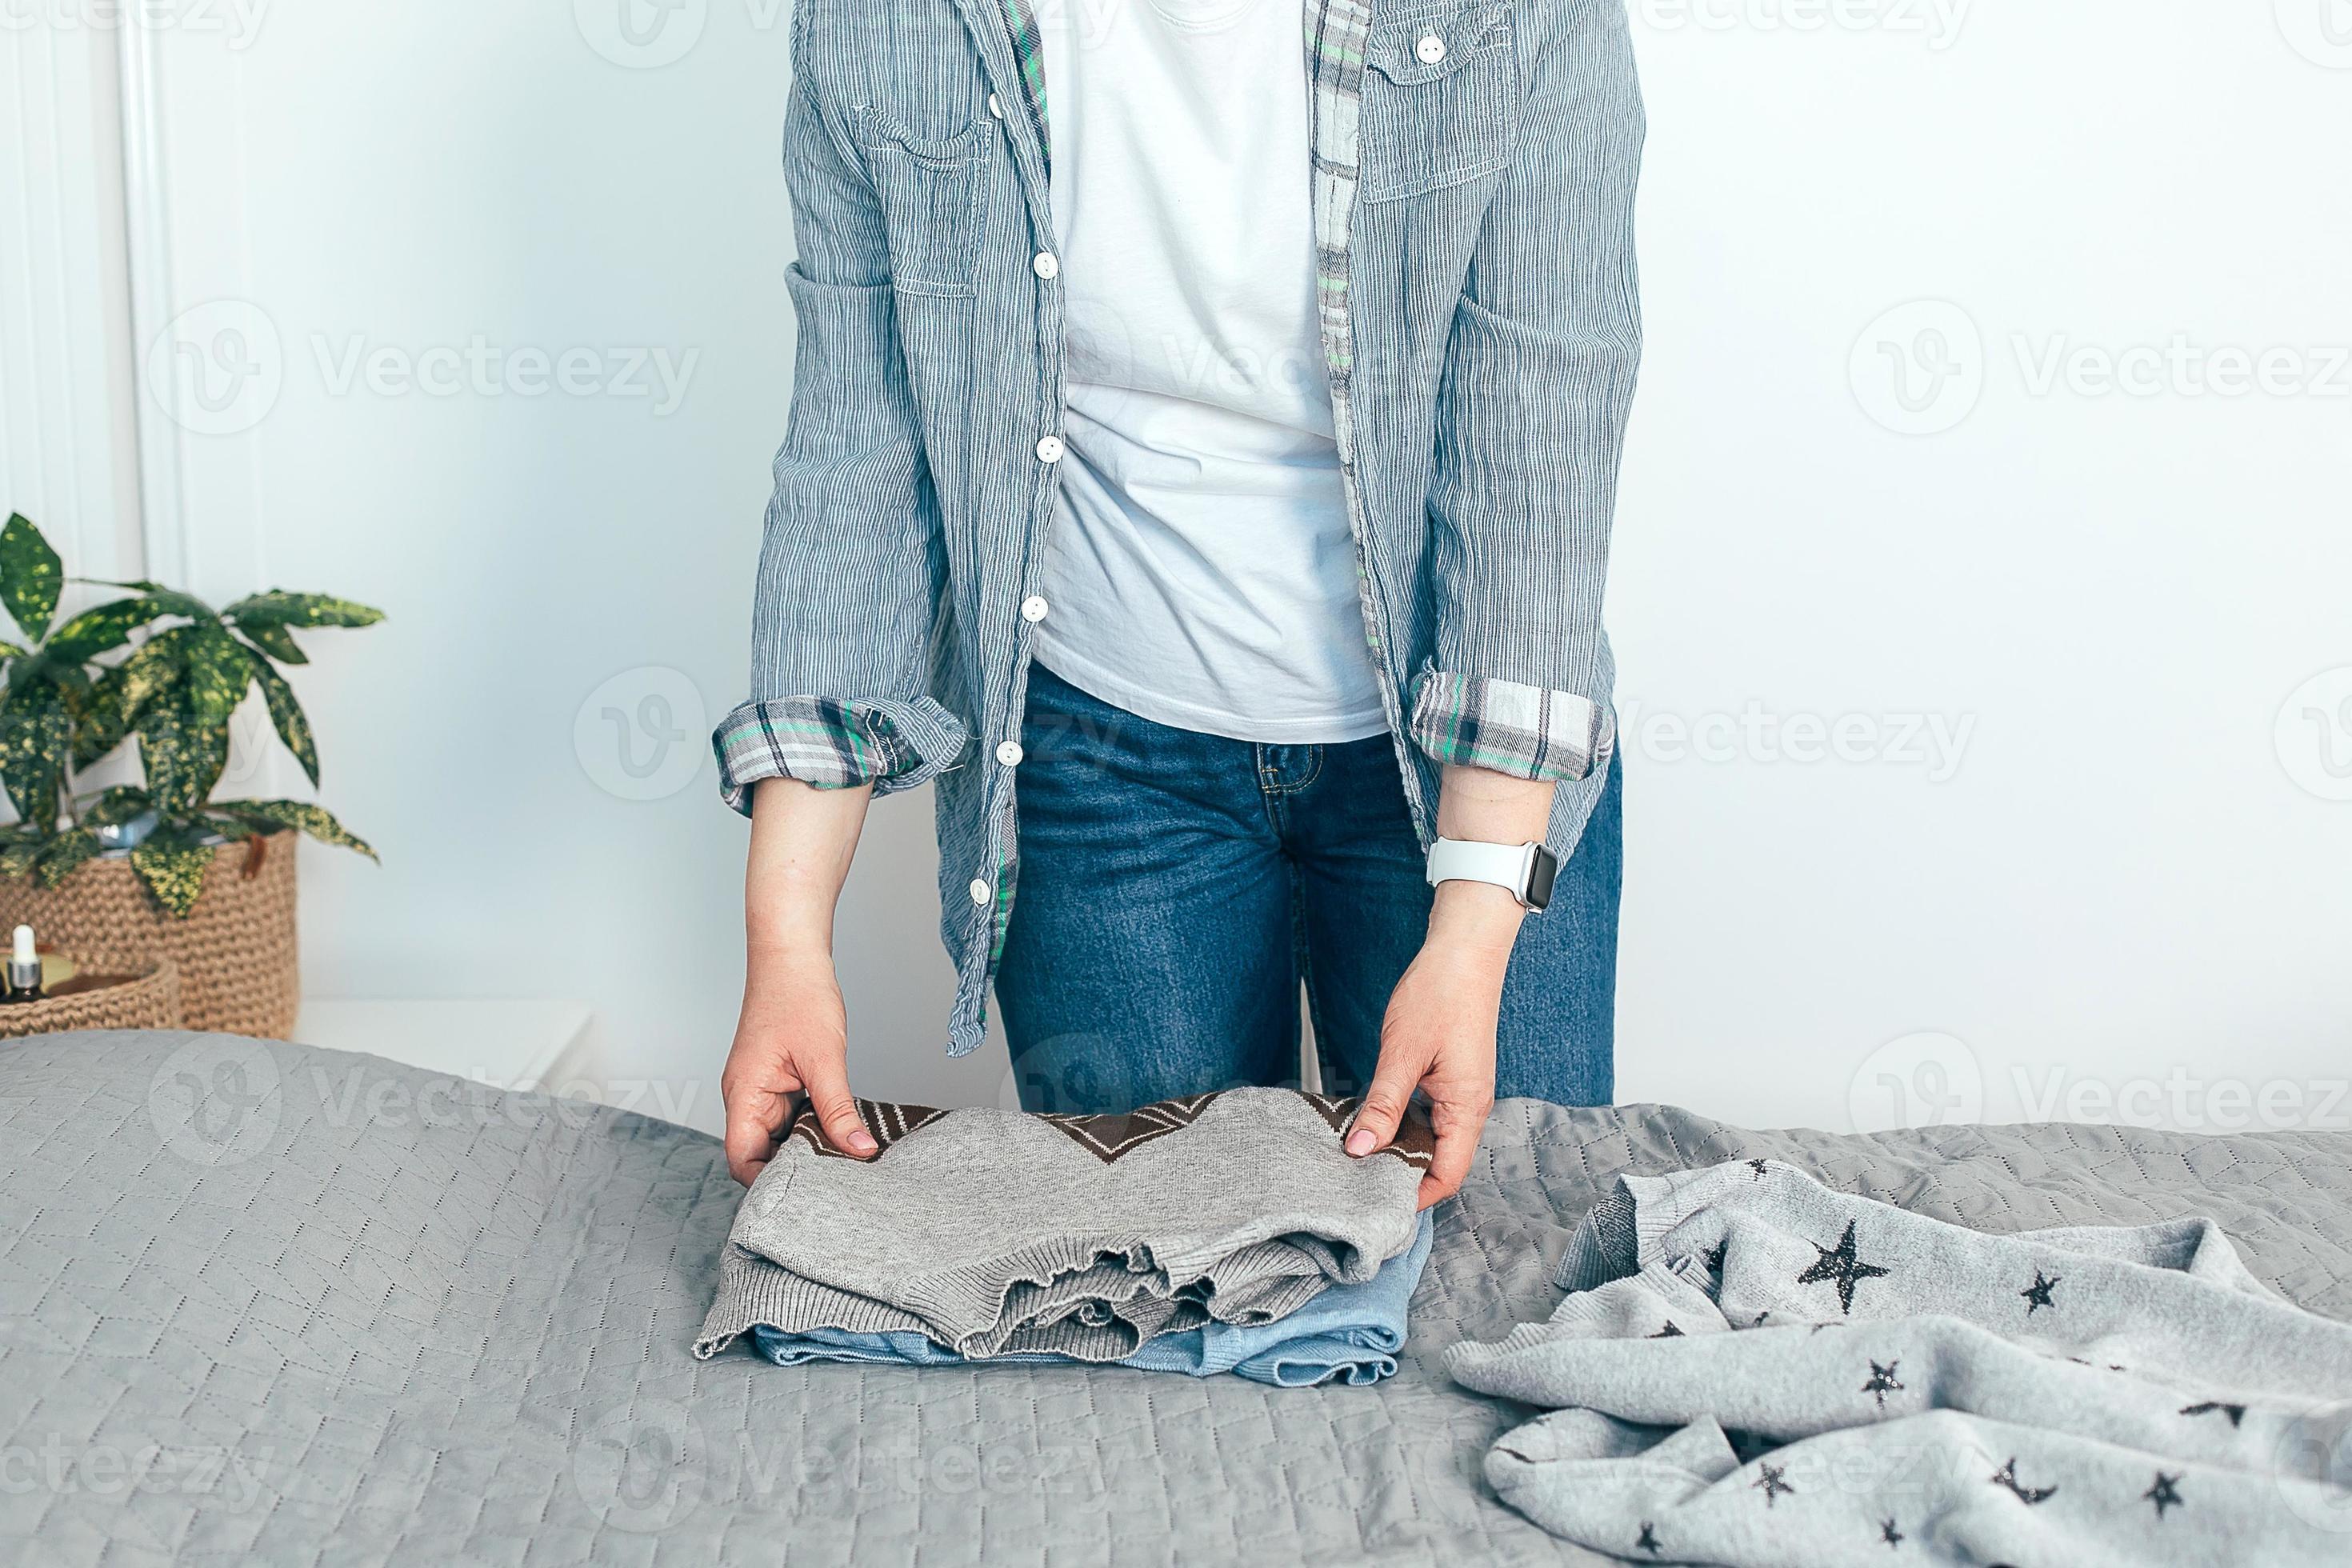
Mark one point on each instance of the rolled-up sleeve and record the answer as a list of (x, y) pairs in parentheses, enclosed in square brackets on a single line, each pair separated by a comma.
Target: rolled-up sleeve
[(851, 562), (1538, 381)]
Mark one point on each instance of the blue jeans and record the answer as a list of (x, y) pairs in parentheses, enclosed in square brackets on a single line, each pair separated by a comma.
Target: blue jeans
[(1174, 888)]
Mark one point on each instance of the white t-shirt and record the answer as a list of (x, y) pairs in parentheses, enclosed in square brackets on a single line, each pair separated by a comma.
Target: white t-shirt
[(1201, 573)]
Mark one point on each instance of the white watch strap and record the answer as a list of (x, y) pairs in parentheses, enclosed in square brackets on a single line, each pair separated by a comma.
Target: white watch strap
[(1504, 864)]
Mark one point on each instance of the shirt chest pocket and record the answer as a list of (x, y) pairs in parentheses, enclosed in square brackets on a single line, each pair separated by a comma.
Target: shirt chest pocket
[(931, 193), (1441, 102)]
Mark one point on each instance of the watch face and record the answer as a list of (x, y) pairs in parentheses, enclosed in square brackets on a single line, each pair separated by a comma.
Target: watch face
[(1541, 877)]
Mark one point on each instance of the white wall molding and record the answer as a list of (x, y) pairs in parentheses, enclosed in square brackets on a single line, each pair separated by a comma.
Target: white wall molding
[(68, 420)]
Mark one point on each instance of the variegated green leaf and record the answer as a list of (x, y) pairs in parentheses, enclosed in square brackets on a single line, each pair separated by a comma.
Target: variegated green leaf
[(277, 642), (314, 820), (182, 761), (35, 739), (172, 602), (174, 871), (280, 608), (66, 852), (10, 650), (105, 628), (220, 673), (30, 576), (293, 728), (116, 806), (18, 856)]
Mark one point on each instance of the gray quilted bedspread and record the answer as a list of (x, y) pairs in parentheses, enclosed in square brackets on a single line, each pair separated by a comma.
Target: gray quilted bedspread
[(271, 1304)]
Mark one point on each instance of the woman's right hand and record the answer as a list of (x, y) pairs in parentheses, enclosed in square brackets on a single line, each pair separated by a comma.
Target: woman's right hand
[(792, 1039), (792, 1036)]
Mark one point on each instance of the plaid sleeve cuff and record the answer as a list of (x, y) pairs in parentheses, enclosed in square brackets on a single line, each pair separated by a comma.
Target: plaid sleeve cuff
[(834, 745), (1526, 732)]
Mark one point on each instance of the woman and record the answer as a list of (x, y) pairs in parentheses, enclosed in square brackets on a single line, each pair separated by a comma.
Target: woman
[(1201, 465)]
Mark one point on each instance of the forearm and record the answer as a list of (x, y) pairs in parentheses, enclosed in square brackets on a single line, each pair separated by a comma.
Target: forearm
[(1489, 808), (802, 839)]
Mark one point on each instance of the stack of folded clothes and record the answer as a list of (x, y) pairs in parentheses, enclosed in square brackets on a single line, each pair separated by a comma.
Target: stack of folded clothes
[(1226, 1232)]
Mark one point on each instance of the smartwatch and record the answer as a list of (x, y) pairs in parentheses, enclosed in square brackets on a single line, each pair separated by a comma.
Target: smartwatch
[(1526, 870)]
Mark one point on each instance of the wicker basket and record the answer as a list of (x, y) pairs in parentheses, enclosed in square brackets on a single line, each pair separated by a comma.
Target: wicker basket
[(148, 999), (235, 952)]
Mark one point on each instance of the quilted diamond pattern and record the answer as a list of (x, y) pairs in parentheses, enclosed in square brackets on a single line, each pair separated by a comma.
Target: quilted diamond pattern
[(270, 1304)]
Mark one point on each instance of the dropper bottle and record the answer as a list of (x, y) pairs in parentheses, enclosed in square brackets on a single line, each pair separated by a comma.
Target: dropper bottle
[(24, 969)]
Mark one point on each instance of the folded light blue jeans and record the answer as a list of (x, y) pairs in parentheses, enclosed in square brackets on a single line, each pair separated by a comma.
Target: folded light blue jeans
[(1349, 1333)]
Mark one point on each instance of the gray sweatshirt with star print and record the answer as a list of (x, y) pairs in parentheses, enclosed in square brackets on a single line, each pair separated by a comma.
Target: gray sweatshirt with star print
[(1753, 1370)]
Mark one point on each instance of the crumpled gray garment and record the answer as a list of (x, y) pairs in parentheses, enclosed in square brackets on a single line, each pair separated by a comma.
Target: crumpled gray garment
[(1753, 1371)]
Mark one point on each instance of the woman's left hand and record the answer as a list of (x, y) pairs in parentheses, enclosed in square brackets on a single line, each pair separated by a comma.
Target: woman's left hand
[(1439, 1035)]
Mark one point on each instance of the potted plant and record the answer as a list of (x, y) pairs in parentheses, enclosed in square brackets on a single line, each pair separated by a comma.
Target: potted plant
[(137, 871)]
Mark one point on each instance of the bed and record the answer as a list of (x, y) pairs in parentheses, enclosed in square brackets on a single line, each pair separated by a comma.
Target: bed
[(265, 1303)]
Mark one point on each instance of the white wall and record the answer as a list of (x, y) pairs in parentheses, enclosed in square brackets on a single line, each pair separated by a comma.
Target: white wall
[(2105, 599)]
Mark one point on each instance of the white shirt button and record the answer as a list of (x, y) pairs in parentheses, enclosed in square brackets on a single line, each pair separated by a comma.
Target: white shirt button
[(1033, 609), (1009, 753), (1049, 450), (1431, 50), (979, 891), (995, 108), (1045, 265)]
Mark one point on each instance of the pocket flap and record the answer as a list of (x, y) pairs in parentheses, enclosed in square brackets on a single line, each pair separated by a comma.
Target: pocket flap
[(1399, 47)]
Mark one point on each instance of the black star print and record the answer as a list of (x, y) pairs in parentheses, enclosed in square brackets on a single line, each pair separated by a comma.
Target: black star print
[(1760, 1317), (2165, 1494), (1716, 1254), (1649, 1542), (2007, 1477), (1771, 1484), (2037, 1295), (1889, 1534), (1819, 1327), (2236, 1413), (1668, 1332), (1882, 1382), (1839, 1264), (1758, 1167)]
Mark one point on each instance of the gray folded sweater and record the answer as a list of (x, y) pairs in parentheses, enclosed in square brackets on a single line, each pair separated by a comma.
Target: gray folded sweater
[(1756, 1371), (995, 1232)]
